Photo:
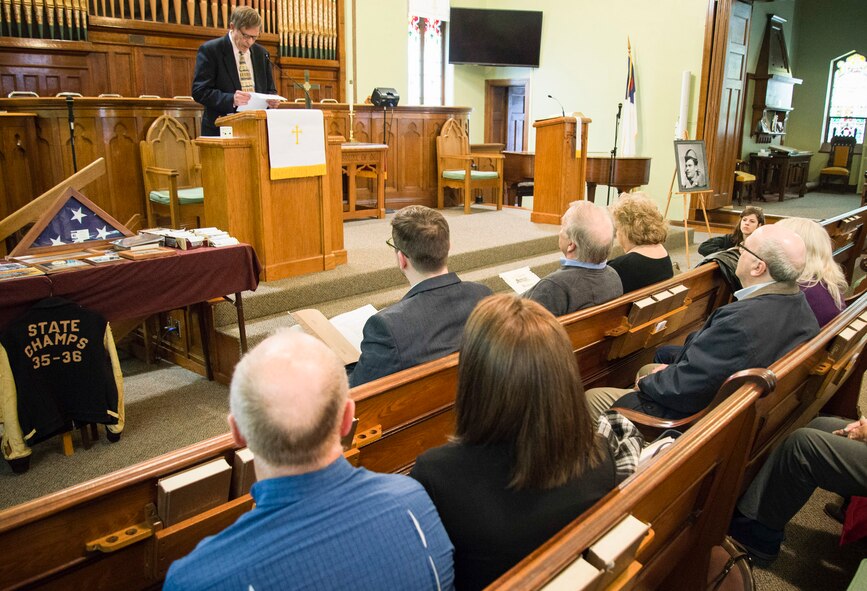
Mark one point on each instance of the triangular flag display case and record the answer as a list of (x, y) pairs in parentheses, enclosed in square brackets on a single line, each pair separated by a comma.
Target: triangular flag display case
[(73, 222)]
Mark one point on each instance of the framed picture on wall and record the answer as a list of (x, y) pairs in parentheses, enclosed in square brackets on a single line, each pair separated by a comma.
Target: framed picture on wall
[(691, 165)]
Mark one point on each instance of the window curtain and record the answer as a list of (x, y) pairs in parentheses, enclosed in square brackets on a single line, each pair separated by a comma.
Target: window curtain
[(430, 9)]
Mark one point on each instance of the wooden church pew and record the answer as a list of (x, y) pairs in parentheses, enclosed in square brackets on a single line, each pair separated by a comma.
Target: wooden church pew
[(400, 415), (686, 495)]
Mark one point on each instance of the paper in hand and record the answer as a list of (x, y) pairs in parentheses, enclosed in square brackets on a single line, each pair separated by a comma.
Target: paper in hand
[(259, 101)]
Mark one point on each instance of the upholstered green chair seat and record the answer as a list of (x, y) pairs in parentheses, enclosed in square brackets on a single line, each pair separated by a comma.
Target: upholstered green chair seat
[(185, 196), (837, 170), (479, 175), (744, 177)]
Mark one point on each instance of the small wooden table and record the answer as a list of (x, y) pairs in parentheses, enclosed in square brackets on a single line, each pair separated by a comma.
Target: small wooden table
[(364, 161), (778, 172)]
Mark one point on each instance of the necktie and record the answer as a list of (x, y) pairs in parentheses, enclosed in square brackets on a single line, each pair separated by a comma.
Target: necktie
[(244, 73)]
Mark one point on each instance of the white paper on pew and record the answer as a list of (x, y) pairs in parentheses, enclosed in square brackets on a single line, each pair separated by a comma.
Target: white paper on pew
[(654, 449), (259, 101), (520, 280), (351, 324)]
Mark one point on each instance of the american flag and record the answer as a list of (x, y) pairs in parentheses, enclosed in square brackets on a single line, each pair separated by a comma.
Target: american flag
[(629, 123), (76, 223)]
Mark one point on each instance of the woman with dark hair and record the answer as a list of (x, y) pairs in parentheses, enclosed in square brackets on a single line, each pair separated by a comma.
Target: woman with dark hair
[(751, 218), (527, 457)]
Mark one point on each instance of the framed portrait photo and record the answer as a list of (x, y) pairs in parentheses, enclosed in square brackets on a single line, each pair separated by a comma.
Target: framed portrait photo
[(691, 166)]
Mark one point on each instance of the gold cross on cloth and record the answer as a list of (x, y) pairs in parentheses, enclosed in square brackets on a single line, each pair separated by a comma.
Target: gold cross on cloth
[(296, 131), (244, 73)]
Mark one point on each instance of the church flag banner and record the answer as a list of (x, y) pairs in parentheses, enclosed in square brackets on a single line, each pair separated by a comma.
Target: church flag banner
[(296, 143), (629, 124)]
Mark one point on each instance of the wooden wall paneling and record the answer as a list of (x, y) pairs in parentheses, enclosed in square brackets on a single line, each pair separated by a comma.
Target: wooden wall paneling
[(362, 127), (18, 153), (122, 77), (432, 128), (45, 73), (411, 140), (120, 135)]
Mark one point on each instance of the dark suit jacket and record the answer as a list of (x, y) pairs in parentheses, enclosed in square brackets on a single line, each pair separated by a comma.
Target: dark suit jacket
[(753, 332), (425, 325), (216, 79)]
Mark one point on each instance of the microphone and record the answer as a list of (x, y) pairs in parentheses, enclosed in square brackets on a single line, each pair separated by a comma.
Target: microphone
[(307, 101), (562, 110), (619, 109)]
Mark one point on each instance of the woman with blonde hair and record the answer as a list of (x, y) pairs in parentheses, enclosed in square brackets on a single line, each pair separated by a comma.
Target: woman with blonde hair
[(822, 281), (641, 231), (527, 456)]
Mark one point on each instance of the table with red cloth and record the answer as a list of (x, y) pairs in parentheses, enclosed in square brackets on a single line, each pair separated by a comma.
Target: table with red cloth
[(137, 289)]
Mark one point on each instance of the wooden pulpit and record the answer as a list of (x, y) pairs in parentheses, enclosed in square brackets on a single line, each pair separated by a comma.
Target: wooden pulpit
[(294, 225), (561, 166)]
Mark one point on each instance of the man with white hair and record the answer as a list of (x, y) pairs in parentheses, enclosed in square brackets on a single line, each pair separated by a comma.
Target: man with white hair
[(318, 523), (584, 278), (769, 319)]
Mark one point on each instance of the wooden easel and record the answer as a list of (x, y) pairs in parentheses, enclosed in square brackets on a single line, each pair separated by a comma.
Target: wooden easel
[(686, 196)]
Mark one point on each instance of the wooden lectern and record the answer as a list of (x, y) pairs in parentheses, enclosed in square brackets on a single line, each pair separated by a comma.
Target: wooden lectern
[(294, 225), (561, 166)]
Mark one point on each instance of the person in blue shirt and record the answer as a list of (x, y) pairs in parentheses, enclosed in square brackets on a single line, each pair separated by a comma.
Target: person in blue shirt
[(318, 523)]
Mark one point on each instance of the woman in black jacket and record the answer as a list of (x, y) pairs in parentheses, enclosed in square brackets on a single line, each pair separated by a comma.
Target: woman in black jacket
[(751, 218)]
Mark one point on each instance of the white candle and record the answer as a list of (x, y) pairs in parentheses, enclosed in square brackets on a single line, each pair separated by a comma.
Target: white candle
[(350, 105), (683, 114)]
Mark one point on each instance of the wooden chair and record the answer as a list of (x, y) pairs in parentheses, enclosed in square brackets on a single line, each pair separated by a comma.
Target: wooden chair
[(744, 181), (456, 167), (839, 162), (172, 174)]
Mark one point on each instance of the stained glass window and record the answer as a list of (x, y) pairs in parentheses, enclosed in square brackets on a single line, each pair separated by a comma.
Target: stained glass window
[(425, 59), (847, 107)]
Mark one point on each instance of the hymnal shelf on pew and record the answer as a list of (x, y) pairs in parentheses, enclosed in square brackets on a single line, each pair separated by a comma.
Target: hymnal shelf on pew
[(615, 551), (188, 493), (243, 473)]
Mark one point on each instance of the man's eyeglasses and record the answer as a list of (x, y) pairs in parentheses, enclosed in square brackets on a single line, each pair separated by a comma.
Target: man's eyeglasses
[(390, 242), (744, 248), (248, 37)]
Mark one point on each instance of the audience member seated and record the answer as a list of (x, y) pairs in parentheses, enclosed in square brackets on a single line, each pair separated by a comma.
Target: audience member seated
[(822, 281), (641, 231), (769, 319), (751, 218), (527, 457), (318, 523), (427, 323), (584, 278), (828, 453)]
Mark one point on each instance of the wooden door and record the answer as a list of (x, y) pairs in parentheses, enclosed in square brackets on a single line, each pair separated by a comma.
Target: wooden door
[(506, 105), (724, 116), (516, 100)]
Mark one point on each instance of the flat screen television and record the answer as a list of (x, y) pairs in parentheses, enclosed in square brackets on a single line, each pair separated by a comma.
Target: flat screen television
[(495, 37)]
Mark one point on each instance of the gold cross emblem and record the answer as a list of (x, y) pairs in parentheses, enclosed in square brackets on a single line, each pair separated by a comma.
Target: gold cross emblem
[(297, 132)]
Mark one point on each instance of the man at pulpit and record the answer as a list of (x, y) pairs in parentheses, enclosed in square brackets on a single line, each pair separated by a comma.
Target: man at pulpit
[(228, 69)]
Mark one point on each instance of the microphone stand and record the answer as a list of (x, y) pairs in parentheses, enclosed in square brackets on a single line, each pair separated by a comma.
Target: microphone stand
[(71, 117), (562, 110), (308, 103), (613, 154)]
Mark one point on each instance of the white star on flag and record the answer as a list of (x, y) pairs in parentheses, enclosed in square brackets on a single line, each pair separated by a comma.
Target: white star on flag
[(78, 215), (102, 233), (57, 241)]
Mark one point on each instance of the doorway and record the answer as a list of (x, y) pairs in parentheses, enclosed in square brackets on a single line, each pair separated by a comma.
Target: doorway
[(507, 103)]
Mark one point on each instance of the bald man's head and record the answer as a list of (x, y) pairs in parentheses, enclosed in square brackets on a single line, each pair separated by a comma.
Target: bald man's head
[(781, 250), (587, 233), (287, 398)]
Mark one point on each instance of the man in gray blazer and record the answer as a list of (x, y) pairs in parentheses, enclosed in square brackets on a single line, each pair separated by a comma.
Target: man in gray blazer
[(220, 63), (428, 322)]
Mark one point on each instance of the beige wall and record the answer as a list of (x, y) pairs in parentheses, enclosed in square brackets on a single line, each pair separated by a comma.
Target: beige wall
[(583, 64)]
